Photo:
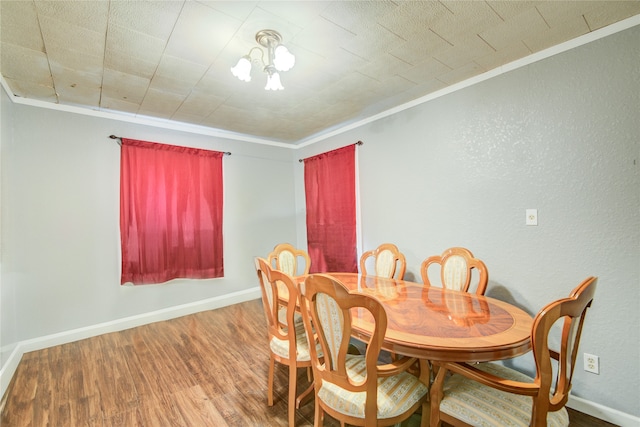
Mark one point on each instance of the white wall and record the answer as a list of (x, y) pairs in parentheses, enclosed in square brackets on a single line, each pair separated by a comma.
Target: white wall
[(60, 214), (560, 135), (8, 312)]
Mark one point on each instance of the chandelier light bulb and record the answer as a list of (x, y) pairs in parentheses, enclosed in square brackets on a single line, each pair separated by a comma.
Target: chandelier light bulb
[(242, 70), (273, 82), (283, 59)]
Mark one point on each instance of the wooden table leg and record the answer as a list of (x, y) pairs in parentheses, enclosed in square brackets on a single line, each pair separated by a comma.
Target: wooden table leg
[(304, 397)]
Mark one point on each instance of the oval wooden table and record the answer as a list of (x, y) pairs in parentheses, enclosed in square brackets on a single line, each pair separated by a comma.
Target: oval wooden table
[(439, 324)]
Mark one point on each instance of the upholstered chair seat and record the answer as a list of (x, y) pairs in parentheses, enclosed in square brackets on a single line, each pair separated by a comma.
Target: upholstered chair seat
[(396, 394), (281, 346), (480, 405)]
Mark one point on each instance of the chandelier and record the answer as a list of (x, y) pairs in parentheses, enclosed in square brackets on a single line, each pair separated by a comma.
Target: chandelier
[(278, 59)]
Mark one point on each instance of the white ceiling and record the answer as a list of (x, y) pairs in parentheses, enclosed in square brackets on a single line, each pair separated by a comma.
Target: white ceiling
[(354, 59)]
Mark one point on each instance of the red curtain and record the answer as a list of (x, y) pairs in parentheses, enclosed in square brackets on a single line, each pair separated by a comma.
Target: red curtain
[(330, 191), (170, 212)]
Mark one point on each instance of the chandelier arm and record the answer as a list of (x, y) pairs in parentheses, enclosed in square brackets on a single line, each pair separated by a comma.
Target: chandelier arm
[(261, 59)]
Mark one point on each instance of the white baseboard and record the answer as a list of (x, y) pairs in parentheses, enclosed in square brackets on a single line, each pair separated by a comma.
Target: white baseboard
[(10, 366), (603, 412)]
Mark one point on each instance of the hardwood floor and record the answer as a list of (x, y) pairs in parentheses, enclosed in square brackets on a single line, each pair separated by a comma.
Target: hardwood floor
[(205, 369)]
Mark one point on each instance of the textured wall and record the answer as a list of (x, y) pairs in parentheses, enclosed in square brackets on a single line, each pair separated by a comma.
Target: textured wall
[(560, 135), (8, 309)]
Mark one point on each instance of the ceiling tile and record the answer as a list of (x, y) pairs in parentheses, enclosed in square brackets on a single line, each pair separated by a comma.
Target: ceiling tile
[(462, 73), (466, 18), (126, 47), (78, 94), (322, 36), (354, 15), (200, 103), (125, 87), (299, 12), (413, 18), (463, 51), (201, 33), (155, 18), (19, 63), (518, 27), (236, 9), (372, 41), (571, 28), (91, 15), (507, 9), (383, 67), (394, 85), (66, 78), (610, 12), (159, 103), (425, 70), (181, 69), (118, 105), (427, 87), (503, 56), (60, 35), (28, 89), (64, 59), (176, 87), (348, 87), (19, 25), (124, 63)]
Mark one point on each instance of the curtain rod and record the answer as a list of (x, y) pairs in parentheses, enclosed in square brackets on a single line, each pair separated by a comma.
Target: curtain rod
[(226, 153), (357, 143)]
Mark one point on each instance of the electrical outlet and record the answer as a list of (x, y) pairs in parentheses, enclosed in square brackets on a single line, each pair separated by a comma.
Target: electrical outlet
[(591, 363), (532, 216)]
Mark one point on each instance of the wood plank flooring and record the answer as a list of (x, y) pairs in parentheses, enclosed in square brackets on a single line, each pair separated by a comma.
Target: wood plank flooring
[(205, 369)]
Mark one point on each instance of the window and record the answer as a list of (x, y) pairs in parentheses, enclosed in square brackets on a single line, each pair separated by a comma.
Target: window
[(330, 191), (170, 212)]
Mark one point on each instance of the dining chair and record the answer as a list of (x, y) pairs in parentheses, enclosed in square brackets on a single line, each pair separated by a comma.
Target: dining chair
[(456, 269), (490, 394), (285, 257), (388, 261), (288, 343), (354, 388)]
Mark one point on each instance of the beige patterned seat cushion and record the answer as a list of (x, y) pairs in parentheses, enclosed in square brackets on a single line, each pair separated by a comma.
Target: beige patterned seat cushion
[(281, 347), (395, 394), (483, 406), (282, 316)]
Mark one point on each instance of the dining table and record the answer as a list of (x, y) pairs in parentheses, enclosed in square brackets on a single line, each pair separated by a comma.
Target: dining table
[(439, 324)]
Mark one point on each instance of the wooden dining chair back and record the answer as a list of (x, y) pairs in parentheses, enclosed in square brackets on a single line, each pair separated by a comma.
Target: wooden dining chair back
[(288, 343), (285, 257), (388, 262), (353, 388), (491, 394), (456, 270)]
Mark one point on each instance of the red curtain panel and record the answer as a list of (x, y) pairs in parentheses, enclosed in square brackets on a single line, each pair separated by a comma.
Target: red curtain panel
[(330, 191), (170, 212)]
